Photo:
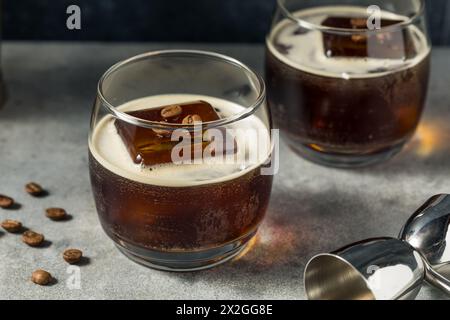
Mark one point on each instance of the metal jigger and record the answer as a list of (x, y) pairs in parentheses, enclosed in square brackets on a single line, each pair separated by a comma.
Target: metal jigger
[(388, 268)]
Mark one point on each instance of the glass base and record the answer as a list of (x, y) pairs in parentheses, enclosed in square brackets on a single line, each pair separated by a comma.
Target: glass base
[(339, 160), (184, 261)]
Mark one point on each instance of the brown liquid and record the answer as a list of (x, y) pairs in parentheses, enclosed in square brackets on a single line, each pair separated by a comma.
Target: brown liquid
[(179, 218), (359, 115)]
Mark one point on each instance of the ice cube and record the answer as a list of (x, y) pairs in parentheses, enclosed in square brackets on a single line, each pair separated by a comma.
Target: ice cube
[(154, 146), (390, 44)]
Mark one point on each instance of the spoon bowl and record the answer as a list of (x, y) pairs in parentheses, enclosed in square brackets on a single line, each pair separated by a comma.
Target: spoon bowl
[(427, 230)]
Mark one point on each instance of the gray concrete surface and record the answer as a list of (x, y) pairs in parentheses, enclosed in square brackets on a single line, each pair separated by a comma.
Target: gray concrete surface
[(43, 137)]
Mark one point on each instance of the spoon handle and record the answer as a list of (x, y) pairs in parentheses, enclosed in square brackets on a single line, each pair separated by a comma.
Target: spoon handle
[(436, 279)]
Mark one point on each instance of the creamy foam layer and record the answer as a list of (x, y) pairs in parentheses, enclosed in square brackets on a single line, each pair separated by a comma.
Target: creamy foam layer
[(109, 150), (306, 51)]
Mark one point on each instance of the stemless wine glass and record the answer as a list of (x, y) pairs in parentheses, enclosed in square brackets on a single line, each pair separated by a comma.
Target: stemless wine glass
[(347, 80), (163, 212)]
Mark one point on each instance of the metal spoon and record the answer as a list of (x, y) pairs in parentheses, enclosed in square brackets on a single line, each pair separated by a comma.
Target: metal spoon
[(427, 230)]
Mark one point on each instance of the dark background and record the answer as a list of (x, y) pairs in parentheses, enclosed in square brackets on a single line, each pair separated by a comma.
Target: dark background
[(164, 20)]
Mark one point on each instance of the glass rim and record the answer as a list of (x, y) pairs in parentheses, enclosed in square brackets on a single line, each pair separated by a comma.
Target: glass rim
[(249, 110), (313, 26)]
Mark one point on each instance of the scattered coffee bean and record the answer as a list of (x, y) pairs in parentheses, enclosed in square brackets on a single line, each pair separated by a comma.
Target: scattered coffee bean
[(12, 225), (6, 202), (41, 277), (34, 189), (56, 214), (72, 256), (171, 111), (192, 119), (32, 238)]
